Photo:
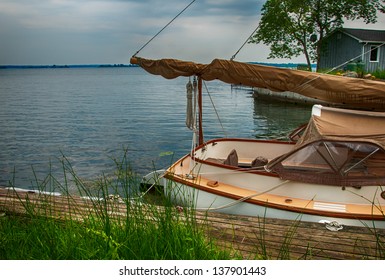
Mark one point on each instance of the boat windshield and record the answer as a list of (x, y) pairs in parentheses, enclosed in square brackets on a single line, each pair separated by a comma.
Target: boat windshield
[(334, 163)]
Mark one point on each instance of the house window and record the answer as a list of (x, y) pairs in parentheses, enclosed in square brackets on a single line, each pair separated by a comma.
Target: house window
[(374, 53)]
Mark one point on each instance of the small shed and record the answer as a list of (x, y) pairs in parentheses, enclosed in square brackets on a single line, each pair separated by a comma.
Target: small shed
[(364, 47)]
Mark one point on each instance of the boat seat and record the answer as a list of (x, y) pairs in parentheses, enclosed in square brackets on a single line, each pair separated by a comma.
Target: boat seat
[(259, 161), (232, 159)]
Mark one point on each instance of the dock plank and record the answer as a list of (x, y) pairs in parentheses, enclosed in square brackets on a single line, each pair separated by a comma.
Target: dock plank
[(249, 237)]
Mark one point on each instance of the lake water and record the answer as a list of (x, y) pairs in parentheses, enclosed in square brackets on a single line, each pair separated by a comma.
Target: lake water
[(92, 115)]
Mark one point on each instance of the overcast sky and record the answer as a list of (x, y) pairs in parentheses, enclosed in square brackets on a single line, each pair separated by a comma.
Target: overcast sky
[(111, 31)]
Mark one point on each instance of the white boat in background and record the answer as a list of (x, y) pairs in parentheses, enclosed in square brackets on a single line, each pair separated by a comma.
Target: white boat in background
[(333, 169)]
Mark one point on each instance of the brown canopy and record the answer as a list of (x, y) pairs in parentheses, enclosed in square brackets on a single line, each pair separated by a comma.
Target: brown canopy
[(339, 147), (353, 92), (344, 125)]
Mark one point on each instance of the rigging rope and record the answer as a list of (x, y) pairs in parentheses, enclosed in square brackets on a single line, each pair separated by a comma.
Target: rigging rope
[(243, 198), (215, 110), (192, 89), (164, 27), (189, 110), (195, 134), (233, 57), (336, 67)]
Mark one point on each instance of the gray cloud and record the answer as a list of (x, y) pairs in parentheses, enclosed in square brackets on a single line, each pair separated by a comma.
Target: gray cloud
[(110, 31)]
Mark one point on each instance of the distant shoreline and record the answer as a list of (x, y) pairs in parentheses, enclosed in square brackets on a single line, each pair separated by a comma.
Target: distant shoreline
[(54, 66)]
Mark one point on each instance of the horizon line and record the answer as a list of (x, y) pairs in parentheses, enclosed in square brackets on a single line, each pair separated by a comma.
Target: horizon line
[(95, 65)]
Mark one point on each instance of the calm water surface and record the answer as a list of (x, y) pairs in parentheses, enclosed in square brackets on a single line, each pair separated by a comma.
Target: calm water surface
[(91, 115)]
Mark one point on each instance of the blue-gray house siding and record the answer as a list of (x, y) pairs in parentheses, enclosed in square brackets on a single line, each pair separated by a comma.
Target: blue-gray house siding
[(354, 45)]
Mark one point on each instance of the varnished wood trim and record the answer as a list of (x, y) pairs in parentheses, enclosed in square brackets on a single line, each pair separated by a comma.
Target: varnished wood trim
[(267, 204)]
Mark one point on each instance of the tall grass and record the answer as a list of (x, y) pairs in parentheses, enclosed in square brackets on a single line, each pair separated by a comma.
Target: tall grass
[(142, 231), (121, 222)]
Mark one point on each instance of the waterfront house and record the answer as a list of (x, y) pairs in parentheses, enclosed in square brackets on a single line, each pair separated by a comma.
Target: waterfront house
[(357, 48)]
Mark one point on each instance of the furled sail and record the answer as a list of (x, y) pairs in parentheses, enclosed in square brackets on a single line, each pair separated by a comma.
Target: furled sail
[(351, 92)]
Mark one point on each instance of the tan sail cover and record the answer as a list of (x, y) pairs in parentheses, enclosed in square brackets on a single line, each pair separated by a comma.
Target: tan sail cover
[(352, 92)]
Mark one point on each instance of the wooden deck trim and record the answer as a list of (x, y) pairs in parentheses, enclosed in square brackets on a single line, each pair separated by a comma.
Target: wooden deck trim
[(300, 206)]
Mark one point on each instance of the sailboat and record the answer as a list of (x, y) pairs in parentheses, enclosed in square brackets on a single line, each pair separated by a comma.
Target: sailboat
[(332, 170)]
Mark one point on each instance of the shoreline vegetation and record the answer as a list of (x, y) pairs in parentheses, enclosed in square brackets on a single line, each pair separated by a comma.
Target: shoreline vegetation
[(124, 219), (149, 226)]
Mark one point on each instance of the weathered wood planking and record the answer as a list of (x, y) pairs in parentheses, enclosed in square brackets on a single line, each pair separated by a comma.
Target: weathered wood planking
[(250, 237), (282, 239)]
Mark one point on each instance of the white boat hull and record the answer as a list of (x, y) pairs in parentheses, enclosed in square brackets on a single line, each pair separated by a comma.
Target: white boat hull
[(182, 195), (214, 187), (336, 168)]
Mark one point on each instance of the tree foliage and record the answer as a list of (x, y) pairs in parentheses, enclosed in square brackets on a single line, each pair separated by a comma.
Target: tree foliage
[(294, 27)]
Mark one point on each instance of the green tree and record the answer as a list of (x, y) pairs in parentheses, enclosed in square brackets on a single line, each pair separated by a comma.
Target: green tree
[(294, 27)]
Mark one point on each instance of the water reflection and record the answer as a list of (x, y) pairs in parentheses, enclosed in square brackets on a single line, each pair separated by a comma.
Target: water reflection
[(278, 119)]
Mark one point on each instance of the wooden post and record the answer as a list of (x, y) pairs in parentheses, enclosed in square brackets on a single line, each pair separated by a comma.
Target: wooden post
[(200, 123)]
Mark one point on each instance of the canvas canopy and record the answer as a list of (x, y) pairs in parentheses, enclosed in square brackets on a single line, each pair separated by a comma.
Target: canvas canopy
[(352, 92), (339, 147), (335, 124)]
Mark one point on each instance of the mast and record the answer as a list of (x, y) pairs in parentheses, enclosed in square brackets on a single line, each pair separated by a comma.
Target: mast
[(200, 122)]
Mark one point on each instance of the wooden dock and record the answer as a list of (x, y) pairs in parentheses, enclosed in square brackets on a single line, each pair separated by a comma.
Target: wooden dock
[(249, 236)]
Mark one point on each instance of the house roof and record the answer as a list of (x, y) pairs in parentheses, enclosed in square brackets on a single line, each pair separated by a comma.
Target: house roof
[(365, 35)]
